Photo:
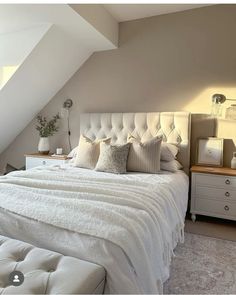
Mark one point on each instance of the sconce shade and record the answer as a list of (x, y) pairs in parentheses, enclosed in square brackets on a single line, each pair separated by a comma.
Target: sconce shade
[(217, 101), (218, 98), (68, 103)]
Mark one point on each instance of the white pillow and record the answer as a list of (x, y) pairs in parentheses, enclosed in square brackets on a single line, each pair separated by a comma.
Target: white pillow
[(73, 153), (172, 166), (88, 152), (168, 151), (144, 156)]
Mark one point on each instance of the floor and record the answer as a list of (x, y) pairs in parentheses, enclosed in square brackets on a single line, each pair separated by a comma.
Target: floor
[(212, 227), (206, 262), (203, 265)]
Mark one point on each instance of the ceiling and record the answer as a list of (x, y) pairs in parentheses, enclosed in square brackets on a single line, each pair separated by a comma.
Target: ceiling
[(125, 12), (48, 44)]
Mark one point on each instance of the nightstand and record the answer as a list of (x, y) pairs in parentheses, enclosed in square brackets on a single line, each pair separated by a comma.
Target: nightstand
[(213, 192), (34, 160)]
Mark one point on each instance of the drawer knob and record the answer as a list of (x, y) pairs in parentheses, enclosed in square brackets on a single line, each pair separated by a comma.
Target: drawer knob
[(44, 162), (227, 194), (227, 181), (226, 208)]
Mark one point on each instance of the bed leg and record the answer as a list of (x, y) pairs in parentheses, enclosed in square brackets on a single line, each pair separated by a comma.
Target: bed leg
[(193, 217)]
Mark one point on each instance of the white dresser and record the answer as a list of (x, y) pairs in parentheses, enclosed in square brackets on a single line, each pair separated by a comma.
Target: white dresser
[(213, 192), (35, 160)]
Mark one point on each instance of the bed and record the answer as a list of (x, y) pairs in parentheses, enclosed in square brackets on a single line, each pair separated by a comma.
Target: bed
[(127, 223)]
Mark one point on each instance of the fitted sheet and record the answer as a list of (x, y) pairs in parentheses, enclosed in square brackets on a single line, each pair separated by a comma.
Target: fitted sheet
[(121, 276)]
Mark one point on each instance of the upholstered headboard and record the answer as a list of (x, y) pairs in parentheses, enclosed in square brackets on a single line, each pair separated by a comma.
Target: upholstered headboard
[(173, 126)]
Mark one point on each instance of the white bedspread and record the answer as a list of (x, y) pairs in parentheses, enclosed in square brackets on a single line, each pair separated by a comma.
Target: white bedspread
[(142, 215)]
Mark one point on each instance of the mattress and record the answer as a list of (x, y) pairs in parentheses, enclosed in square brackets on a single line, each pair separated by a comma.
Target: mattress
[(122, 276)]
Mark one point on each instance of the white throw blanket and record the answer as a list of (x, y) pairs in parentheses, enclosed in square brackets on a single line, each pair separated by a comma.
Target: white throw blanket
[(142, 219)]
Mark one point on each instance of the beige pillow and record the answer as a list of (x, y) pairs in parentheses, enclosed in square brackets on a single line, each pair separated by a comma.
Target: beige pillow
[(88, 152), (168, 151), (113, 158), (144, 156)]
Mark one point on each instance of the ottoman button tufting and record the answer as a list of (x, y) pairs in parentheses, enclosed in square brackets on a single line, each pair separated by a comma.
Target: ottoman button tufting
[(49, 262)]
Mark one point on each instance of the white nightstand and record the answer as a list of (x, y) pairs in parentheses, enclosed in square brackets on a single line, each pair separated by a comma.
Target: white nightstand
[(34, 160), (213, 192)]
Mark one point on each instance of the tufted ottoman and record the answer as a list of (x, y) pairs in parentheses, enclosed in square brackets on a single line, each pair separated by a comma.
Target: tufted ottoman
[(46, 272)]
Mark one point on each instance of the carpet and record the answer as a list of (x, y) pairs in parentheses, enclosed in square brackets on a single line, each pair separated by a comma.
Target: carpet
[(203, 265)]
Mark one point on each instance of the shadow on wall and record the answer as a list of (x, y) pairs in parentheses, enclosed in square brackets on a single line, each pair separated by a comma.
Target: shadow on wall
[(202, 125)]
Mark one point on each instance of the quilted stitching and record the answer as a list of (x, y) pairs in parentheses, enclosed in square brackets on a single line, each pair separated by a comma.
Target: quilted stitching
[(173, 126)]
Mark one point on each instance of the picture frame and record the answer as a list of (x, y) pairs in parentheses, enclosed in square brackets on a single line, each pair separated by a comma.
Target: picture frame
[(210, 151)]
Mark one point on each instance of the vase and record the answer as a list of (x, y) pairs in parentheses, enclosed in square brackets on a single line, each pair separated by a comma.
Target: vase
[(233, 161), (44, 146)]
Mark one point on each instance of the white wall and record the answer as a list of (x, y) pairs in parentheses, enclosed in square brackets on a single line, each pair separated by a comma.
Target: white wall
[(58, 55), (100, 19), (16, 46)]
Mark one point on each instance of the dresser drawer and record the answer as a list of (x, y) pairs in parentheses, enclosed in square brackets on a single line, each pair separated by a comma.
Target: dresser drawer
[(215, 208), (220, 194), (221, 181)]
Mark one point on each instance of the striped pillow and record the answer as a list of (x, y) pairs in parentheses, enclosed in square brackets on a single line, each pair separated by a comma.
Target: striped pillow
[(144, 156)]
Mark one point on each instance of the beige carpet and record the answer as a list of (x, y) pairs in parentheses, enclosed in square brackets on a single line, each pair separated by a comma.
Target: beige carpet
[(203, 265)]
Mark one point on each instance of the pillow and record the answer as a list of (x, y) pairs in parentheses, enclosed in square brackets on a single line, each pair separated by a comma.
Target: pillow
[(113, 158), (144, 156), (88, 152), (172, 166), (168, 151), (73, 153)]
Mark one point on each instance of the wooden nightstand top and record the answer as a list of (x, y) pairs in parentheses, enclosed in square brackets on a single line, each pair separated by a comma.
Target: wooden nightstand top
[(214, 170), (49, 156)]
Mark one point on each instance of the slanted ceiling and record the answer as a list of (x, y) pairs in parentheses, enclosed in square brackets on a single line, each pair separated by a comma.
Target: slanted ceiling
[(126, 12), (15, 47), (42, 47)]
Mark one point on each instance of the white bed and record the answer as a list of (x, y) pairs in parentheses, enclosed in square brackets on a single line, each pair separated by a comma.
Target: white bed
[(134, 240)]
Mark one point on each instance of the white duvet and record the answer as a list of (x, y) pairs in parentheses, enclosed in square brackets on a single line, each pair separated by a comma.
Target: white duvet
[(142, 215)]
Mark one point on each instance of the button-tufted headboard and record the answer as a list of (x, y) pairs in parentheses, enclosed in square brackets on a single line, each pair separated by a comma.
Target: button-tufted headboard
[(173, 126)]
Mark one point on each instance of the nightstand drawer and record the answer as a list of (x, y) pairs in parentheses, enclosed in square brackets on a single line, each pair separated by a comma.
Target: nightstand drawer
[(221, 181), (215, 193), (216, 208), (32, 162)]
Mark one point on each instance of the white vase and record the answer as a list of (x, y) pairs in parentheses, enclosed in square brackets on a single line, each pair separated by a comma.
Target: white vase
[(233, 161), (44, 146)]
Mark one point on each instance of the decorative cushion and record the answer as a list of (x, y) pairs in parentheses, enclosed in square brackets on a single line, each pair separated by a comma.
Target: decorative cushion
[(88, 152), (168, 151), (73, 153), (172, 166), (144, 156), (113, 158), (47, 272)]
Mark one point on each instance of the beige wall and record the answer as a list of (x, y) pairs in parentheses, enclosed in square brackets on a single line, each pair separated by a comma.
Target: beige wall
[(164, 63)]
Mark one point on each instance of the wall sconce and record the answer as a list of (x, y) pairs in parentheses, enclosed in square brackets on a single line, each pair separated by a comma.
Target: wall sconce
[(67, 104), (65, 113), (216, 108)]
